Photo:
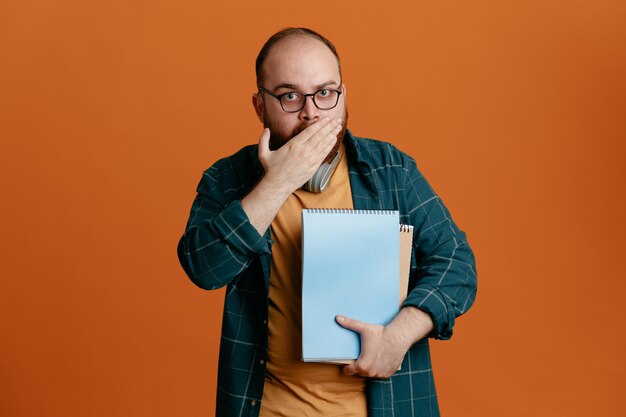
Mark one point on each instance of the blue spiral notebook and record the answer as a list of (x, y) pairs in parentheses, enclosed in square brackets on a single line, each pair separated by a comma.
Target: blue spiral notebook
[(350, 266)]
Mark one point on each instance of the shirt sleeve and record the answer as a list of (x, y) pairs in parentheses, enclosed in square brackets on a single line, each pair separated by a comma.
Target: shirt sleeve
[(443, 275), (219, 242)]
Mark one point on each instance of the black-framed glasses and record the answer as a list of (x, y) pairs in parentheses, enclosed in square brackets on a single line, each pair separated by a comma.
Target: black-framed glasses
[(324, 99)]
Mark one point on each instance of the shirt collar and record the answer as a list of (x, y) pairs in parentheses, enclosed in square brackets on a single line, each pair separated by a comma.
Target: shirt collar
[(354, 148)]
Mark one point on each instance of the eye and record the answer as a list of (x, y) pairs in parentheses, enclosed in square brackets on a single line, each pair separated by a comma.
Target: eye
[(291, 96), (324, 93)]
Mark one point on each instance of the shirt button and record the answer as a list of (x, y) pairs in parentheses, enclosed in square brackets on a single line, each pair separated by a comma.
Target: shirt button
[(264, 321), (261, 361), (253, 403)]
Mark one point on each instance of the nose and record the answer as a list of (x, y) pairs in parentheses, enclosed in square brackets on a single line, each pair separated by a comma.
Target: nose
[(310, 112)]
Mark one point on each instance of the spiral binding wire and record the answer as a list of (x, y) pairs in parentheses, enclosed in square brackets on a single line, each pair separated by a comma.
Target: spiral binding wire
[(406, 228), (347, 211)]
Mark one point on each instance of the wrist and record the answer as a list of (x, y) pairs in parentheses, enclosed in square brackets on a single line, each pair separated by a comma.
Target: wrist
[(411, 325), (279, 187)]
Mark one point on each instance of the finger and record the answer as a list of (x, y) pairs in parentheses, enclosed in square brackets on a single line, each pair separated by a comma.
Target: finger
[(264, 144), (350, 369), (348, 323), (325, 144), (311, 130), (321, 147), (328, 129)]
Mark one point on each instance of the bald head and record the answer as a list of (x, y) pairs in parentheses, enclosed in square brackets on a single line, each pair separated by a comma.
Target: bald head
[(286, 35)]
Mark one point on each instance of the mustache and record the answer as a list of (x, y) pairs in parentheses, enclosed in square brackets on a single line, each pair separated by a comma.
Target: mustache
[(300, 128)]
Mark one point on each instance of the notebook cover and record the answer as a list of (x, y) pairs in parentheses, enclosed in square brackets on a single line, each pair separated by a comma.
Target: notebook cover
[(350, 266)]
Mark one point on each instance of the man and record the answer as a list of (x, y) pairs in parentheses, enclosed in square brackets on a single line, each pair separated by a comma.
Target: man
[(244, 232)]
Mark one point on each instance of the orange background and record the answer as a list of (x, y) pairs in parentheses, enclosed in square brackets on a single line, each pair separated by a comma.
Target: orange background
[(110, 111)]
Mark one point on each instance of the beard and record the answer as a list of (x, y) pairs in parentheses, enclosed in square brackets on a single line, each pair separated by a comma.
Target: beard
[(278, 139)]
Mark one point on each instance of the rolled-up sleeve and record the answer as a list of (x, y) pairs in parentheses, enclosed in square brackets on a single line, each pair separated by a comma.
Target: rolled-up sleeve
[(443, 272)]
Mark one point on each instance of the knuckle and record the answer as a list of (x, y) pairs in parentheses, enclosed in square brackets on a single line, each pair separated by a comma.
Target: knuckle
[(365, 367)]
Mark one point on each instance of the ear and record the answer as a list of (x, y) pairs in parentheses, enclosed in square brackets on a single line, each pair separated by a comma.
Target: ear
[(344, 93), (259, 106)]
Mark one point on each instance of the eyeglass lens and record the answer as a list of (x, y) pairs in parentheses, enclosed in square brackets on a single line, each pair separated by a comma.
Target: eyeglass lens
[(323, 99)]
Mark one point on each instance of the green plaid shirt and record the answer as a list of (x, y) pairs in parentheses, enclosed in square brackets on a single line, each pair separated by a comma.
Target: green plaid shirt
[(220, 247)]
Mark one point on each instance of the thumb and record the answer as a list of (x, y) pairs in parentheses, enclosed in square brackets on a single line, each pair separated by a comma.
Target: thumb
[(264, 144), (352, 324)]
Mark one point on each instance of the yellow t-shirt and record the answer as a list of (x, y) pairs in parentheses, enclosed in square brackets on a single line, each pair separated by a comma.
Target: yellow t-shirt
[(292, 387)]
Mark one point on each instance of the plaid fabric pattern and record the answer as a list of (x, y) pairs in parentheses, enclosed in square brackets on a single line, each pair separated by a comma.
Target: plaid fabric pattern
[(220, 247)]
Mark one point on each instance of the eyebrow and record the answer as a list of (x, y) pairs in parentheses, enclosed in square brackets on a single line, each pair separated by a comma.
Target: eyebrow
[(294, 87)]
